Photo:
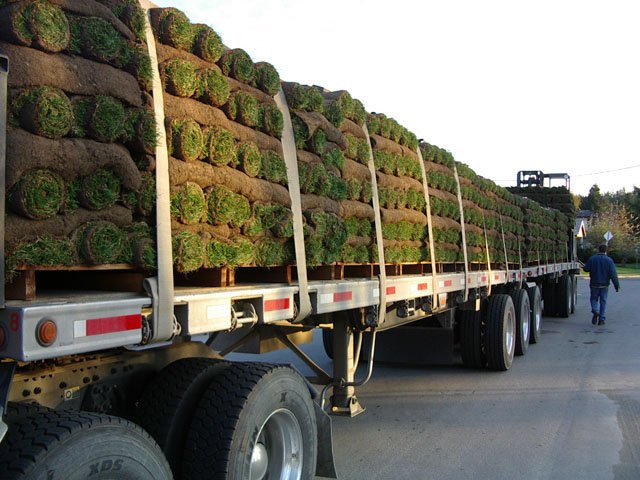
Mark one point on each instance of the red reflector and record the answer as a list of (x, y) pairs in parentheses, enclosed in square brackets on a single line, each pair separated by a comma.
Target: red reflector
[(342, 296), (391, 290), (496, 277), (484, 278), (277, 304), (100, 326), (448, 283), (423, 286)]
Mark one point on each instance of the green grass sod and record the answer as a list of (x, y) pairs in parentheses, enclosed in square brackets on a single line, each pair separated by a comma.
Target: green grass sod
[(147, 195), (188, 252), (176, 30), (188, 204), (249, 159), (227, 208), (220, 147), (100, 243), (237, 63), (267, 78), (45, 111), (187, 139), (208, 44), (274, 168), (38, 194), (212, 87), (100, 189), (45, 251), (270, 120), (180, 77)]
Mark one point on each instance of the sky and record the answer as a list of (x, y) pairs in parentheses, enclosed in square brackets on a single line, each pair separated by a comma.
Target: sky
[(505, 85)]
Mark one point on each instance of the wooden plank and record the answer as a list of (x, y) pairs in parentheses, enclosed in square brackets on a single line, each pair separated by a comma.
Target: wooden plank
[(282, 274), (22, 287), (205, 277)]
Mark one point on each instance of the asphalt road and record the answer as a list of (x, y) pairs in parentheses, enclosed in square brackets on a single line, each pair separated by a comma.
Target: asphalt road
[(568, 409)]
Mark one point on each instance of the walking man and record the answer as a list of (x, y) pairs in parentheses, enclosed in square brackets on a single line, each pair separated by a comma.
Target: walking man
[(602, 271)]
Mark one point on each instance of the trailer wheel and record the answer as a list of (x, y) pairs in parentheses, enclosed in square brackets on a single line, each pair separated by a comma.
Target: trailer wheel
[(574, 293), (549, 298), (255, 421), (535, 300), (472, 339), (327, 342), (165, 408), (501, 332), (523, 314), (80, 445), (564, 292)]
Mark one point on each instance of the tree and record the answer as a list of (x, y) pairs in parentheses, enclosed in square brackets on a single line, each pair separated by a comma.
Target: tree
[(617, 219), (594, 201)]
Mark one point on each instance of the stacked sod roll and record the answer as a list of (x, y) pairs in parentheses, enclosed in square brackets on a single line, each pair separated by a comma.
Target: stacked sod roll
[(400, 190), (446, 225), (229, 200), (558, 198), (81, 135), (335, 183)]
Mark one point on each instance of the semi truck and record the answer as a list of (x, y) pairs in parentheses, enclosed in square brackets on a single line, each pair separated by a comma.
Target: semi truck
[(106, 382)]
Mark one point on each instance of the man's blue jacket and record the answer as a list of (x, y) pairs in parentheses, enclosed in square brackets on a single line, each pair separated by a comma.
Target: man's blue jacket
[(601, 270)]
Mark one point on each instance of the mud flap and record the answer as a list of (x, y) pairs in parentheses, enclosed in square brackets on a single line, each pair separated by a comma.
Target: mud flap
[(325, 466), (6, 378)]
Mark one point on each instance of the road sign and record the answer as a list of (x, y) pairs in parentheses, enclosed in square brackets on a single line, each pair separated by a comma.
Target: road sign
[(608, 236)]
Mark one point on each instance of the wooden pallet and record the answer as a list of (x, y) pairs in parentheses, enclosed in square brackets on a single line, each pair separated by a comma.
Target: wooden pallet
[(111, 277)]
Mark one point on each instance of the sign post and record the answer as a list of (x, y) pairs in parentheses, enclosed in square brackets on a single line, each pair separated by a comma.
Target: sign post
[(607, 237)]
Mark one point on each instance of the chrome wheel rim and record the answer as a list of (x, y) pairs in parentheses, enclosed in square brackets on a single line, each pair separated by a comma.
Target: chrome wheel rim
[(525, 325), (510, 333), (277, 453)]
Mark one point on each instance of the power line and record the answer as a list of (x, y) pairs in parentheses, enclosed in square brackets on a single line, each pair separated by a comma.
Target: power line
[(606, 171)]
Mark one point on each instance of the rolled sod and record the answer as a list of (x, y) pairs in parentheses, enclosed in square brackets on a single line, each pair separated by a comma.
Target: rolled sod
[(226, 207), (188, 252), (36, 23), (173, 28), (188, 203), (100, 243), (337, 188), (101, 118), (133, 16), (38, 194), (242, 107), (213, 87), (44, 251), (144, 254), (266, 78), (44, 111), (356, 254), (147, 195), (219, 146), (140, 66), (187, 139), (300, 131), (179, 77), (141, 130), (249, 159), (328, 237), (99, 190), (274, 168), (96, 39), (271, 252), (207, 43), (318, 142), (237, 63), (270, 120), (354, 188), (333, 157)]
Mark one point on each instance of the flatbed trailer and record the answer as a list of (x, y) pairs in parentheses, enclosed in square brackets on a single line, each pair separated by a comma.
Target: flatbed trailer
[(135, 385)]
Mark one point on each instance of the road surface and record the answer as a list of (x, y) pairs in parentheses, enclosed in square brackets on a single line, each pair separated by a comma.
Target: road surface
[(568, 409)]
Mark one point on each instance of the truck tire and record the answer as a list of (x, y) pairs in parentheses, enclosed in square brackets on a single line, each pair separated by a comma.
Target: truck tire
[(327, 342), (80, 445), (523, 316), (255, 421), (535, 300), (166, 406), (564, 292), (574, 293), (472, 339), (501, 332), (549, 298)]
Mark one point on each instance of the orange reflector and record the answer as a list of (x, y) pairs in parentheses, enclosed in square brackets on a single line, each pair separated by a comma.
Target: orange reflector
[(46, 332)]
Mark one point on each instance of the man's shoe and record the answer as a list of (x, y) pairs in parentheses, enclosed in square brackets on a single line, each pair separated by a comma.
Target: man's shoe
[(595, 318), (601, 322)]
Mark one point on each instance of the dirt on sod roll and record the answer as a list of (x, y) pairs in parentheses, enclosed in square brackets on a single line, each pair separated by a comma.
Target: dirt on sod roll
[(206, 175), (81, 76), (69, 157)]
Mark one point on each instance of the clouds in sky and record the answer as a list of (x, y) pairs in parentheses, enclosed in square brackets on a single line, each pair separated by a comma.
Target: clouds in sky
[(505, 85)]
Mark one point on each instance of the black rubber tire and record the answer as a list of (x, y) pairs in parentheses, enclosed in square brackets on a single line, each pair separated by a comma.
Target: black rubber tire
[(80, 445), (233, 410), (535, 325), (564, 293), (472, 339), (549, 294), (574, 293), (523, 316), (327, 342), (500, 332), (166, 406)]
